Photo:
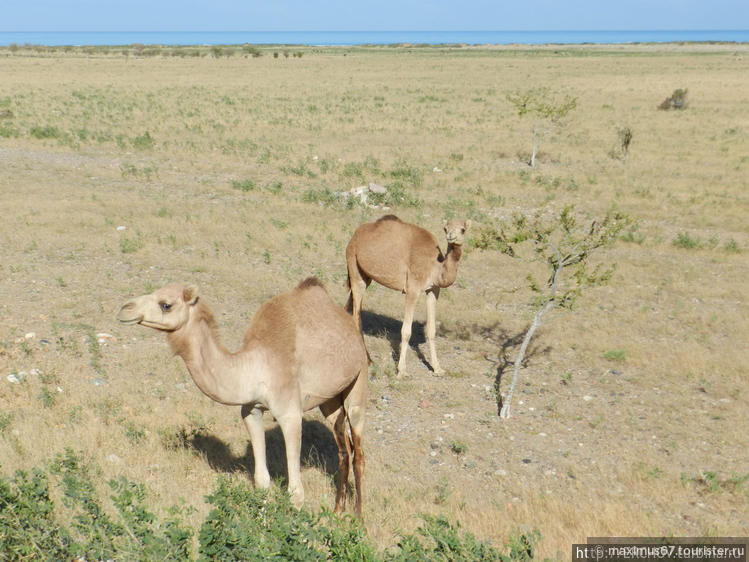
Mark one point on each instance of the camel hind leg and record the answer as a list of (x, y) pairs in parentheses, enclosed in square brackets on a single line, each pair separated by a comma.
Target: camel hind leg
[(355, 406), (334, 412), (408, 317), (358, 283)]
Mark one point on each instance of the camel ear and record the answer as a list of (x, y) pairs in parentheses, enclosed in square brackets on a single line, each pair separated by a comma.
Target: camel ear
[(444, 225), (468, 224), (190, 294)]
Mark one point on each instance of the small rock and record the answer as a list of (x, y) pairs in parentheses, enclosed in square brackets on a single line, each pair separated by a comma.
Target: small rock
[(432, 453), (434, 445), (15, 378), (99, 382), (436, 170), (449, 416), (527, 461), (29, 336), (374, 188), (615, 372), (103, 337), (35, 372), (121, 228), (423, 403), (114, 459), (500, 472), (587, 398)]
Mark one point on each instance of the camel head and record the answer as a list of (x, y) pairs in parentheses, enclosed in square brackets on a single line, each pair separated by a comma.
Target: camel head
[(455, 231), (166, 309)]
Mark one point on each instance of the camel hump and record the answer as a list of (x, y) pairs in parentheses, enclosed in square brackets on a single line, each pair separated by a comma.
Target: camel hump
[(309, 283), (389, 218)]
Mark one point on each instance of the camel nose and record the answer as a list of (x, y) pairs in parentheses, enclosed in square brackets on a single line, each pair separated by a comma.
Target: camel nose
[(127, 313)]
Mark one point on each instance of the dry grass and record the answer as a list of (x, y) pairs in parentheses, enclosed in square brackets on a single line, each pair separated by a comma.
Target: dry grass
[(219, 170)]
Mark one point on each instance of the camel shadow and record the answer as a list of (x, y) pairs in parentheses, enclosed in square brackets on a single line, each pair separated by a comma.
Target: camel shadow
[(374, 324), (318, 450)]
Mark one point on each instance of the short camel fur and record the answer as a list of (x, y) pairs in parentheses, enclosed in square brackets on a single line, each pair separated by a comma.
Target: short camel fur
[(300, 351), (406, 258)]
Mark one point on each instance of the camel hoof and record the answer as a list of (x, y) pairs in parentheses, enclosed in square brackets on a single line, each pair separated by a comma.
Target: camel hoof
[(438, 370), (297, 498)]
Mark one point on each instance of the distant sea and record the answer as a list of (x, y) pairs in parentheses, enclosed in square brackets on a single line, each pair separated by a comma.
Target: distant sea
[(56, 38)]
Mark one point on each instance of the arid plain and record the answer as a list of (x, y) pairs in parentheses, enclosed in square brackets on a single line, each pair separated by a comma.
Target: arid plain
[(120, 172)]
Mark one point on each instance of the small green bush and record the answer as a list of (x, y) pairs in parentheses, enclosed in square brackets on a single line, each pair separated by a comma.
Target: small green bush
[(46, 132), (144, 141), (244, 185), (615, 355), (686, 240), (130, 245)]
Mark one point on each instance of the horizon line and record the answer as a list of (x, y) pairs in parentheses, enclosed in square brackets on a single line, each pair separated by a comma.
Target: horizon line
[(358, 30)]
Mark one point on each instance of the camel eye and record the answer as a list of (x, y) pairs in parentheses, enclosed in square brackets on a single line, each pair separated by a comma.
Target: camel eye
[(165, 306)]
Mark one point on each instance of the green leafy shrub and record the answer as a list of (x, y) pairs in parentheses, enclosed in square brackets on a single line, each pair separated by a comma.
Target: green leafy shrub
[(46, 132), (244, 185), (615, 355), (248, 524), (144, 141), (437, 539), (244, 524), (686, 240)]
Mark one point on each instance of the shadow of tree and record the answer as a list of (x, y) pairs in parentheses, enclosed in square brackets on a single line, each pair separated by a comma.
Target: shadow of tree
[(318, 450), (504, 364)]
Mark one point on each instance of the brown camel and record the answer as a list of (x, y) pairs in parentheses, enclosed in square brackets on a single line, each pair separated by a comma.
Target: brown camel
[(406, 258), (300, 351)]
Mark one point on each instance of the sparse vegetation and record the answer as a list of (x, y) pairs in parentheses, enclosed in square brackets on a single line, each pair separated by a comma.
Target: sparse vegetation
[(236, 191)]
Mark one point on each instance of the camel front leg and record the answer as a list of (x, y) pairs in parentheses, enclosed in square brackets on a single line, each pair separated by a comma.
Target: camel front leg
[(408, 317), (253, 421), (431, 329), (291, 427)]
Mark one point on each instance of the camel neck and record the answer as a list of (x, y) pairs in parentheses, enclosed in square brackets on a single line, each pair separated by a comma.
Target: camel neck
[(221, 375), (450, 265)]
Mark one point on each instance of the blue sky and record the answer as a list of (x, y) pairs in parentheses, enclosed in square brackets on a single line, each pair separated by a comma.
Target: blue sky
[(382, 15)]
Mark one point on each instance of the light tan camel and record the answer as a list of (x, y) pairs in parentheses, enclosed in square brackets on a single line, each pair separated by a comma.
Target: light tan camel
[(406, 258), (300, 351)]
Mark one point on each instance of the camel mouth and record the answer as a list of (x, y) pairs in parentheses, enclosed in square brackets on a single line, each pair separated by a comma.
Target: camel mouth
[(130, 321)]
